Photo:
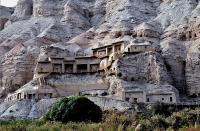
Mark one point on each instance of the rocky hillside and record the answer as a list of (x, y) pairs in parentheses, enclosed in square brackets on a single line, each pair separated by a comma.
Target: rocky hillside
[(79, 25)]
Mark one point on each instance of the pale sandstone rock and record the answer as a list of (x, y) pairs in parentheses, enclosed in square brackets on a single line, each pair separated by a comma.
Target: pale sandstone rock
[(5, 14), (147, 67), (174, 55), (34, 33), (192, 69), (4, 106), (41, 107), (19, 110), (23, 10), (26, 109), (76, 83), (108, 103), (74, 27)]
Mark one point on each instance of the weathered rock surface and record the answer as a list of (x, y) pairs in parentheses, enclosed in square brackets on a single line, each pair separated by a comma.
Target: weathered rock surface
[(27, 109), (108, 104), (76, 26), (192, 69), (23, 10), (146, 67), (41, 107), (74, 84), (5, 14)]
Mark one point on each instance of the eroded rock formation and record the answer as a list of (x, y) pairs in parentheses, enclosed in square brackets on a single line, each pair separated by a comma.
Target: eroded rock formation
[(5, 14), (39, 29)]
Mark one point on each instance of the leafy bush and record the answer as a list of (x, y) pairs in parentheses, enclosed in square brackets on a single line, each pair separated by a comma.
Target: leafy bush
[(155, 122), (162, 109), (113, 121), (75, 109), (118, 120), (183, 118), (146, 125), (158, 122)]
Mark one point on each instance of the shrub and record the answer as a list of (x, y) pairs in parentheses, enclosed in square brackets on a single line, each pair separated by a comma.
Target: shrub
[(158, 122), (75, 109), (184, 118), (162, 109), (118, 120), (176, 120), (155, 122), (146, 125)]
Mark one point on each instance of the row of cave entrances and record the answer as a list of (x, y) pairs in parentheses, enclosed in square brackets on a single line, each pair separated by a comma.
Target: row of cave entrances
[(188, 36), (29, 96), (69, 68)]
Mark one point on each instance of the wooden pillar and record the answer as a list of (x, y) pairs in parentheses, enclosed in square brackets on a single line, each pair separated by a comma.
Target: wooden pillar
[(43, 81), (74, 68), (25, 96), (63, 68), (88, 67), (107, 52), (22, 95), (52, 67), (144, 97), (95, 53), (123, 46), (113, 48), (123, 95), (40, 82)]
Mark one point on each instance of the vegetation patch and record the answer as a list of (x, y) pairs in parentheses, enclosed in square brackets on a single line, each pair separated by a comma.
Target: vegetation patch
[(74, 109), (150, 120)]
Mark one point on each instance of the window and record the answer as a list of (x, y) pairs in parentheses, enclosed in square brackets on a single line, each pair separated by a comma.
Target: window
[(118, 34), (109, 51), (148, 100), (127, 99), (171, 99), (33, 96), (29, 96), (168, 66), (69, 68), (19, 96), (135, 100), (50, 95), (117, 48), (190, 35), (119, 74), (57, 68), (82, 68)]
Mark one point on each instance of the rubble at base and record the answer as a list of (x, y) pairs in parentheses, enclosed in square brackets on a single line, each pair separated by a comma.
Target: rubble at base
[(114, 52)]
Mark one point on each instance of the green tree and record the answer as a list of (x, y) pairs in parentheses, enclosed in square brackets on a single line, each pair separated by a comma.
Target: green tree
[(75, 109)]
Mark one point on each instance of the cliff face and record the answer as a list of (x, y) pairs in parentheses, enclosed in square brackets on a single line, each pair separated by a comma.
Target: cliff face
[(5, 14), (79, 25)]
